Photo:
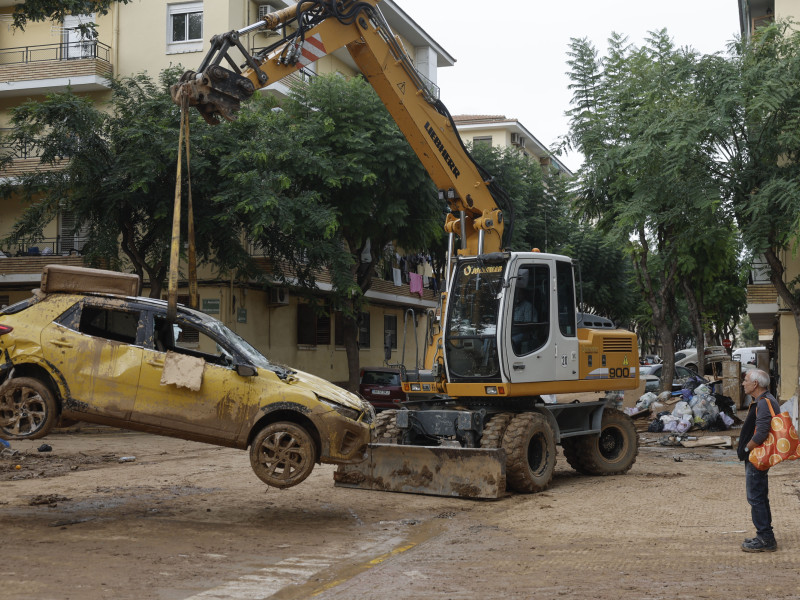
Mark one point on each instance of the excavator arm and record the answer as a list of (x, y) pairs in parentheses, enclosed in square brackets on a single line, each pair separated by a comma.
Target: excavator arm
[(316, 28)]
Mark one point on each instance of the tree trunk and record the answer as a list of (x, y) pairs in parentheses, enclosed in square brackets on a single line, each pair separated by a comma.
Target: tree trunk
[(662, 304), (695, 315), (350, 336)]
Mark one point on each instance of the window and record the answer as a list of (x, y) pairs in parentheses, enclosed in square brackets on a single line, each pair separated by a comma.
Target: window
[(115, 325), (566, 299), (185, 27), (390, 331), (312, 329), (186, 338), (485, 140), (363, 329)]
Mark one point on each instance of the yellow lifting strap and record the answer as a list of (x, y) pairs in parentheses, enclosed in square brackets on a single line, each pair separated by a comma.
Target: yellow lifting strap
[(174, 256)]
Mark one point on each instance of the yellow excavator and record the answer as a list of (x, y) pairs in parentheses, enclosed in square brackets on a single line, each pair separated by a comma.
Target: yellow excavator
[(507, 335)]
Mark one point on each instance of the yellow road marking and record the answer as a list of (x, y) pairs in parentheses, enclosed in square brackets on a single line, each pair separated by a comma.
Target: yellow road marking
[(375, 561)]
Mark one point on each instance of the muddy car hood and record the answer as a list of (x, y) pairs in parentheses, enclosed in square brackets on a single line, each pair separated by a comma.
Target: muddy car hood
[(326, 389)]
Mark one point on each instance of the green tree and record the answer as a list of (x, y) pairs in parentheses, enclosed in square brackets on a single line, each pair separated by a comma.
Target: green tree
[(115, 172), (633, 121), (329, 182), (753, 99)]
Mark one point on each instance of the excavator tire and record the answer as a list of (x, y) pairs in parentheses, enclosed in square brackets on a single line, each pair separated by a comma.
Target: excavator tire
[(611, 452), (530, 448), (385, 428), (494, 429)]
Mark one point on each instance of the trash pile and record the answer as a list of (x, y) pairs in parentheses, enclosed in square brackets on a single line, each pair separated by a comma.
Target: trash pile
[(688, 409)]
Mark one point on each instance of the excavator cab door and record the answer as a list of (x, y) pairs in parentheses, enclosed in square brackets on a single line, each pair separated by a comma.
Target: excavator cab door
[(539, 332)]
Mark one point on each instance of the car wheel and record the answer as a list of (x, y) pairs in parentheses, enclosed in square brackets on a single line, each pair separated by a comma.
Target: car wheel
[(27, 409), (283, 454)]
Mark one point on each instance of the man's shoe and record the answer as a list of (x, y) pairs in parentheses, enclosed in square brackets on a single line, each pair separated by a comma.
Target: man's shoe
[(758, 545)]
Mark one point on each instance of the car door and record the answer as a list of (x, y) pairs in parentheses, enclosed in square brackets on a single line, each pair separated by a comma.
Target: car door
[(216, 409), (96, 346)]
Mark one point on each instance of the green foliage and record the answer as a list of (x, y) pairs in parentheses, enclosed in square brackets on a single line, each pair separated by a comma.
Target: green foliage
[(749, 333), (605, 272), (117, 174), (325, 178), (637, 119), (56, 10)]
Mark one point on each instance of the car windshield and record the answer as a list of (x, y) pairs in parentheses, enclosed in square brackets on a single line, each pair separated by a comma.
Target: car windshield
[(650, 369), (235, 340)]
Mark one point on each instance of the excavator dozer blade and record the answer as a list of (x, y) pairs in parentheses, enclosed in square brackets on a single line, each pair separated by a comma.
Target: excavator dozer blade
[(432, 470)]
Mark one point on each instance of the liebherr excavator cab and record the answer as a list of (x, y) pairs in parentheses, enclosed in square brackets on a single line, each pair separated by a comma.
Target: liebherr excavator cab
[(507, 334)]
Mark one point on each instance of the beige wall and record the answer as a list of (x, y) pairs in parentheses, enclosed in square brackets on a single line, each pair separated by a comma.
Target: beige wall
[(787, 353), (787, 9)]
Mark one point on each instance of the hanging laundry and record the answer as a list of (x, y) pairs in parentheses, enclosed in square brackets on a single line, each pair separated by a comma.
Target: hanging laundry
[(416, 283), (398, 278)]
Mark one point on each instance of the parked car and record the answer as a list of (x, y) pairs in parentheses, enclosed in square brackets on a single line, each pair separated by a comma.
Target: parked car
[(650, 359), (382, 387), (652, 376), (86, 348), (688, 357)]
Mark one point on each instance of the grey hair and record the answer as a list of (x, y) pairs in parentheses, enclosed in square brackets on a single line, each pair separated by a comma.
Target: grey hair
[(759, 377)]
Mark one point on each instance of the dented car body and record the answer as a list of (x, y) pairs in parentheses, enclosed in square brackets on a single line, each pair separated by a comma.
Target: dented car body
[(117, 360)]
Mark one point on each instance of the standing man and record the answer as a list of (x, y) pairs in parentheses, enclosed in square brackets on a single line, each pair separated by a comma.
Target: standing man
[(754, 431)]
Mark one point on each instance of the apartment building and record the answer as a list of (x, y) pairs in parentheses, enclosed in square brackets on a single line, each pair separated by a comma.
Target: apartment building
[(503, 132)]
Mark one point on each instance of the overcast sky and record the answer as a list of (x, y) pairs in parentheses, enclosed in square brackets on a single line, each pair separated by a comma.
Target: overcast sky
[(511, 54)]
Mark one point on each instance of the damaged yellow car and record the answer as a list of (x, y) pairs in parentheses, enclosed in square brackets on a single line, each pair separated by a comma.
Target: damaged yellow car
[(86, 348)]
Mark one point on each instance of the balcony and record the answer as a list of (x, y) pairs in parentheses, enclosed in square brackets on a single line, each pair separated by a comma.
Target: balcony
[(762, 305), (84, 66)]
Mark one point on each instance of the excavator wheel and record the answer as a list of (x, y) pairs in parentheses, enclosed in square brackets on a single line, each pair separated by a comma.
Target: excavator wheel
[(530, 448), (385, 428), (612, 452), (494, 429)]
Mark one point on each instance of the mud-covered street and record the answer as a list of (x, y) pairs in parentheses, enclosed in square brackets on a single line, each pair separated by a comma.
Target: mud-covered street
[(187, 520)]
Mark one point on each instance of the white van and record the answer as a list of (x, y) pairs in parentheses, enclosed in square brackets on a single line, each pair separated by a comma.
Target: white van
[(747, 356)]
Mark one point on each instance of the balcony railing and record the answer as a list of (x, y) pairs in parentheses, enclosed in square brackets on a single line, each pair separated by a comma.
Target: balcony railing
[(66, 245), (51, 52)]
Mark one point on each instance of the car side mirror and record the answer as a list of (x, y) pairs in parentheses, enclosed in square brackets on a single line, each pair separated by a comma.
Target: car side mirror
[(246, 370)]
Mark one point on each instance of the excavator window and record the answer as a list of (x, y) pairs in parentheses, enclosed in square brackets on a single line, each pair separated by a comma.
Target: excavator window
[(471, 333), (566, 299)]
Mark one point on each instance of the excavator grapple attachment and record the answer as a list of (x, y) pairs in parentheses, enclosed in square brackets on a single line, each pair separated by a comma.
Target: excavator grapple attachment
[(432, 470)]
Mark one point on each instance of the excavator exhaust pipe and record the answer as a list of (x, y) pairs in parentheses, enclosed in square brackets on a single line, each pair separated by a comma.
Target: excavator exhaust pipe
[(437, 471)]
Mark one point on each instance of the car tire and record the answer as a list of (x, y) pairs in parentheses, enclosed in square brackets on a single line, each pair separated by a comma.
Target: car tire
[(28, 410), (283, 454)]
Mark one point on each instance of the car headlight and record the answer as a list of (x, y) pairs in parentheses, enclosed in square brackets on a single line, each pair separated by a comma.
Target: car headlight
[(350, 413)]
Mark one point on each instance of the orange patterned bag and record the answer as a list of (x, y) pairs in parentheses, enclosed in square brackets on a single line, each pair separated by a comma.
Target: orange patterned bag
[(781, 443)]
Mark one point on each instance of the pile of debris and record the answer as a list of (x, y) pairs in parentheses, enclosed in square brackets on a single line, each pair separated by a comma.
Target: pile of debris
[(694, 408)]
